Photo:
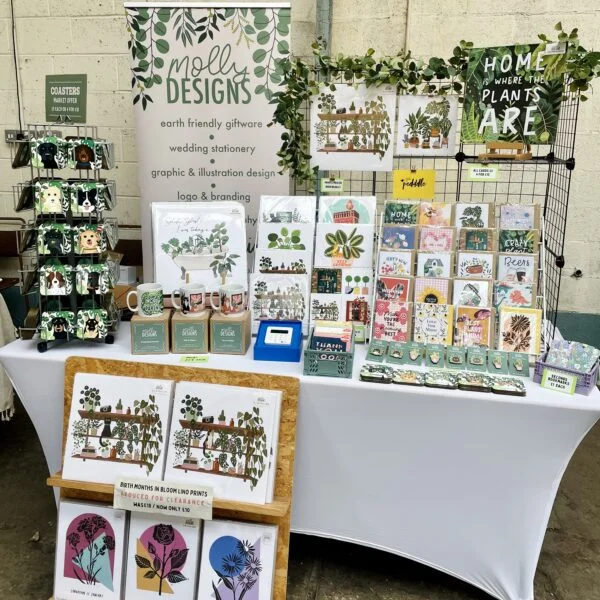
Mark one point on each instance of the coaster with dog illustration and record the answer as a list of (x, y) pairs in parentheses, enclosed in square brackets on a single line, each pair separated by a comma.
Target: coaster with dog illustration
[(87, 198), (51, 196), (93, 278), (84, 153), (54, 239), (57, 325), (92, 324), (49, 152), (55, 280), (90, 239)]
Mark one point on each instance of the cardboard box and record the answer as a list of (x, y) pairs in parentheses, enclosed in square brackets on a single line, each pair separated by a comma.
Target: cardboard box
[(230, 334), (150, 335), (189, 335)]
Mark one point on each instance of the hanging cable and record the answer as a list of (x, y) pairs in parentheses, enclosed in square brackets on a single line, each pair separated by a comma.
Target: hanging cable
[(14, 40)]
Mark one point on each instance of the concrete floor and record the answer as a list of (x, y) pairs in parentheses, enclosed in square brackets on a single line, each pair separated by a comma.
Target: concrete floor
[(569, 567)]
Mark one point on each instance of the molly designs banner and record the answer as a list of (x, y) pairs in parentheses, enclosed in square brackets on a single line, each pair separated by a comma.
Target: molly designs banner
[(511, 96), (202, 78)]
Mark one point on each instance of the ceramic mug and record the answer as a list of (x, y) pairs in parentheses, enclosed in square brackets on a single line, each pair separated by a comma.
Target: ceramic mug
[(231, 299), (192, 298), (149, 300)]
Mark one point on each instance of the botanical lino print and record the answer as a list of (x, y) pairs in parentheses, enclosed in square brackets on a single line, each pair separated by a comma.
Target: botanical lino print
[(520, 330)]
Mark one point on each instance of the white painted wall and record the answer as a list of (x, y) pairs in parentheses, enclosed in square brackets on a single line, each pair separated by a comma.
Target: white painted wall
[(89, 36)]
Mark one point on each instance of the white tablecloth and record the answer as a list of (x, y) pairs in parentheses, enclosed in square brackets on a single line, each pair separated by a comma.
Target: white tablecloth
[(461, 481)]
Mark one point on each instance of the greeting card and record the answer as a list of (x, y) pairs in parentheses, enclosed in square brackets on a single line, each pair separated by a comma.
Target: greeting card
[(222, 436), (436, 214), (347, 209), (514, 294), (401, 212), (162, 557), (476, 239), (519, 216), (326, 281), (432, 290), (472, 292), (357, 282), (398, 237), (392, 320), (285, 236), (434, 264), (287, 209), (518, 241), (517, 268), (238, 561), (393, 288), (475, 265), (474, 326), (433, 323), (396, 263), (436, 239), (342, 245), (470, 214), (291, 262), (117, 426), (90, 544), (326, 307), (520, 330)]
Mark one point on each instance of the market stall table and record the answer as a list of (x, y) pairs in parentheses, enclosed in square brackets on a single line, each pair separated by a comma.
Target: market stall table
[(461, 481)]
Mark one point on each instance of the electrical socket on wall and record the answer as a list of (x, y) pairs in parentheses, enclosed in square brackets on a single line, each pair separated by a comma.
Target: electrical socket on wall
[(15, 135)]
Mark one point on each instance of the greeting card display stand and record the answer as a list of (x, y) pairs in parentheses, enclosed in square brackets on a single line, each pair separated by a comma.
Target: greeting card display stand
[(277, 512)]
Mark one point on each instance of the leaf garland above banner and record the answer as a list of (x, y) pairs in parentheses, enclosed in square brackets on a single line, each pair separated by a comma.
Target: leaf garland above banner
[(410, 76), (262, 30)]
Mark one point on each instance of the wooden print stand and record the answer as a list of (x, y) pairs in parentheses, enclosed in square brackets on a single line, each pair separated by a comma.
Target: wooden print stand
[(277, 512), (521, 151)]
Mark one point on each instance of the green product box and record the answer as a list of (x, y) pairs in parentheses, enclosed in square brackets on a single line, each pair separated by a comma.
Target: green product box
[(477, 359), (497, 362), (230, 334), (456, 357), (189, 335), (150, 335), (434, 355), (414, 353)]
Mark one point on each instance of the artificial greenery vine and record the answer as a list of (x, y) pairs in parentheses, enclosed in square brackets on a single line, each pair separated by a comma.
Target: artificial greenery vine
[(409, 75)]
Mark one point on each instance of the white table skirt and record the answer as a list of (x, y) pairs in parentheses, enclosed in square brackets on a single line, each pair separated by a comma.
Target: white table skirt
[(461, 481)]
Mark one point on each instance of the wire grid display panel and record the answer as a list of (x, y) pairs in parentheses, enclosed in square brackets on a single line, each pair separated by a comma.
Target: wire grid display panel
[(543, 180)]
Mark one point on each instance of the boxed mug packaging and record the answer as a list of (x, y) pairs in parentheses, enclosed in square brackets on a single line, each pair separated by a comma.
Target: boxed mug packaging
[(189, 334), (230, 334), (150, 335)]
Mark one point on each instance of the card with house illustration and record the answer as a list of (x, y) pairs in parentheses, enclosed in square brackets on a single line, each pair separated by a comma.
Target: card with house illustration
[(433, 323), (222, 436), (347, 209), (400, 263), (162, 557), (435, 214), (474, 327), (517, 268), (285, 236), (392, 321), (518, 241), (199, 242), (519, 216), (396, 289), (475, 265), (436, 239), (514, 294), (520, 330), (287, 209), (427, 125), (476, 240), (90, 545), (435, 264), (326, 307), (291, 262), (401, 212), (117, 426), (432, 290), (474, 214), (343, 245), (279, 297), (238, 561), (472, 292), (352, 128), (357, 308), (398, 237)]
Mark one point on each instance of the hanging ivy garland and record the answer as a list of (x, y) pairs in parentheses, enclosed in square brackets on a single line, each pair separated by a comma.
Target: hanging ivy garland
[(410, 75)]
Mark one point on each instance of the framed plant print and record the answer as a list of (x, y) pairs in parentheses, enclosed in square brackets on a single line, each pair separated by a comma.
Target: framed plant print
[(401, 212), (432, 290), (435, 214), (520, 330), (517, 268), (396, 289), (474, 215), (474, 327), (476, 240), (345, 246), (287, 209), (398, 237), (433, 323), (475, 265), (519, 216), (396, 263), (436, 239), (392, 320), (472, 292), (435, 264), (353, 210), (518, 241)]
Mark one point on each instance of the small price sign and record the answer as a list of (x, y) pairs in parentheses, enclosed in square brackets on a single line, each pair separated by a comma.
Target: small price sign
[(559, 381), (194, 359), (332, 185), (483, 173)]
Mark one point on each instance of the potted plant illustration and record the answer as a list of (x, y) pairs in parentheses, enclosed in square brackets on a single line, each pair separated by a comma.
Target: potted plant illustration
[(414, 123), (90, 399), (445, 127), (286, 240), (150, 431), (119, 407), (365, 289), (191, 408), (265, 264), (352, 109), (342, 245), (326, 103), (348, 280), (221, 418), (405, 140), (357, 280)]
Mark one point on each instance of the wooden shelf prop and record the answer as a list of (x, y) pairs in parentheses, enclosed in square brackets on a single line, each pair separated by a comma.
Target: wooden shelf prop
[(276, 513)]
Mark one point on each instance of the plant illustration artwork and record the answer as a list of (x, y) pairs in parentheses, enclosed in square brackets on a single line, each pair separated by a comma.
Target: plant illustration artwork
[(475, 265), (401, 212), (517, 241), (344, 245), (398, 237), (472, 292), (287, 209), (288, 239), (470, 214), (520, 330)]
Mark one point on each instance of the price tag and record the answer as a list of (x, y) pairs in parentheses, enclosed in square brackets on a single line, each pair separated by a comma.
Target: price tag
[(483, 173), (332, 185), (556, 48), (559, 381), (164, 498), (414, 184), (192, 359)]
